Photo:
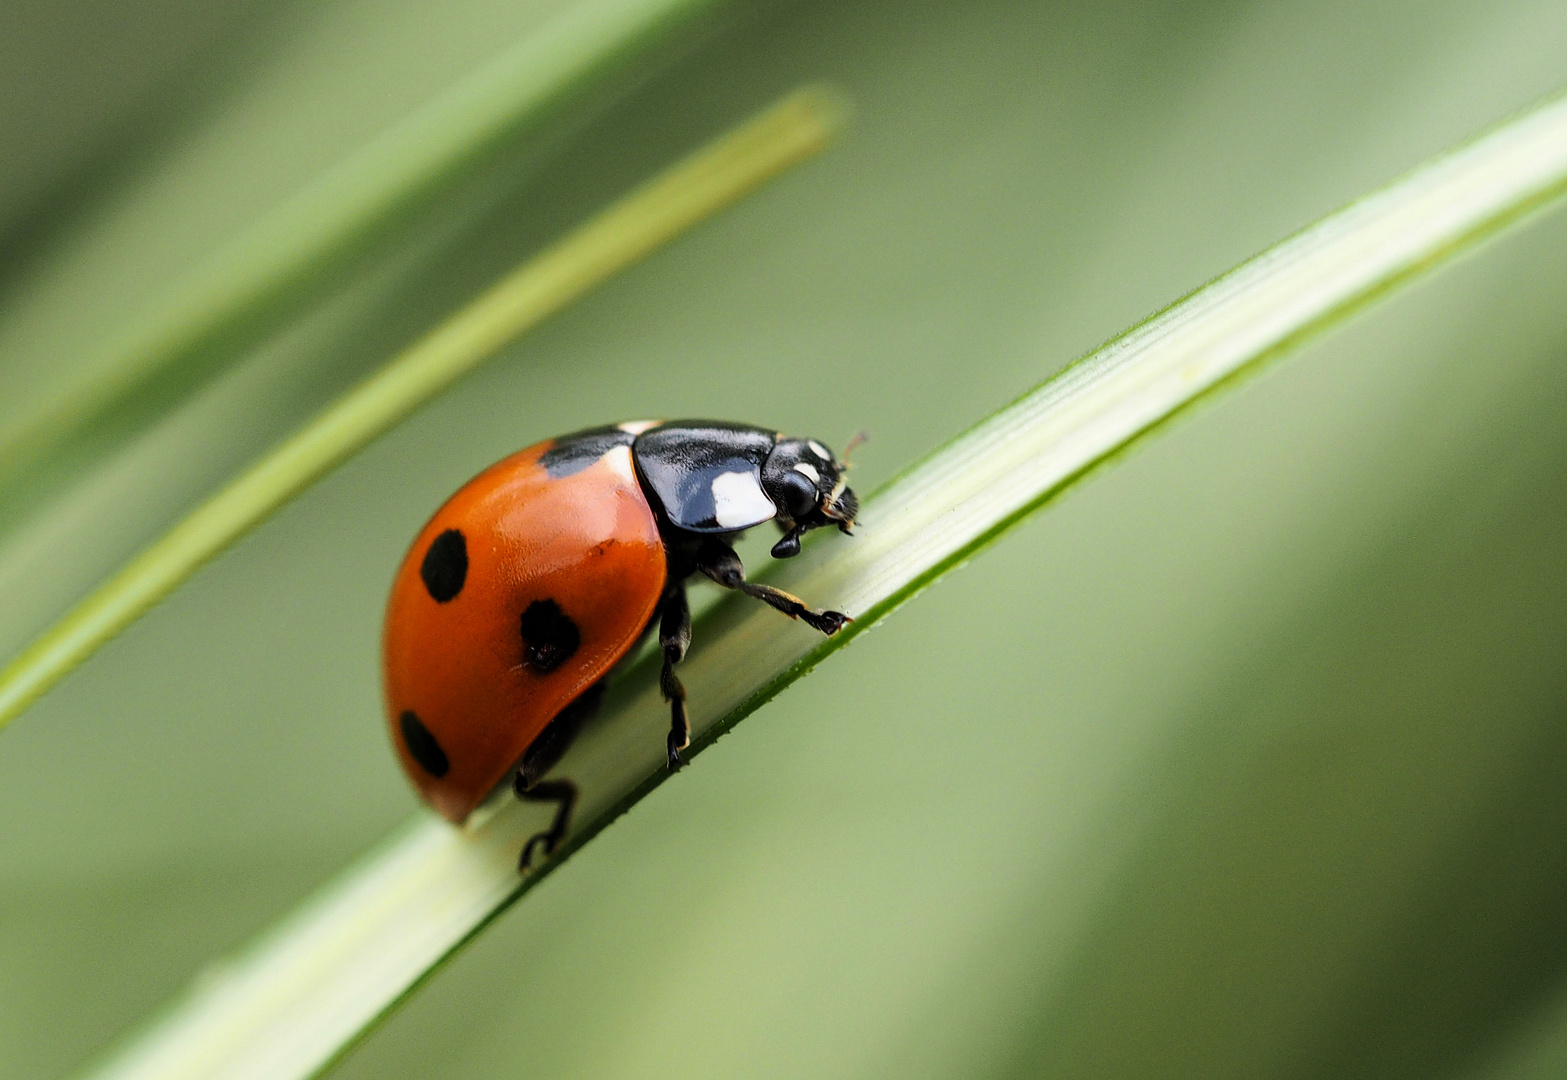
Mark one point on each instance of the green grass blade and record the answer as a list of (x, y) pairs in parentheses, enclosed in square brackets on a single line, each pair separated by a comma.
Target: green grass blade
[(255, 278), (785, 134), (303, 994)]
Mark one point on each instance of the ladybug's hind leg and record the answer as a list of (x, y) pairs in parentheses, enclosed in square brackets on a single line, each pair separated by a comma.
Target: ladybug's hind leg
[(718, 561), (540, 758), (563, 793), (674, 637)]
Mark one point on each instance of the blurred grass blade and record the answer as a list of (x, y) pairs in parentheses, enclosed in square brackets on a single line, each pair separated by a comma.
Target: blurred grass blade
[(788, 132), (253, 280), (303, 994)]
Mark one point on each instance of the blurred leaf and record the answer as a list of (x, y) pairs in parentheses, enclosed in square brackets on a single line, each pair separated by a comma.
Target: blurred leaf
[(200, 325)]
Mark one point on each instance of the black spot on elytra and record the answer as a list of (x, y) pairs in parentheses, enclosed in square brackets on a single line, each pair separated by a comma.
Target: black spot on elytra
[(575, 452), (549, 637), (445, 566), (422, 745)]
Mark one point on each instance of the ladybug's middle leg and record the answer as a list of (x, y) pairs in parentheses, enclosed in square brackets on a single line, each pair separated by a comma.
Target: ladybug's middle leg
[(674, 637), (542, 756), (718, 561)]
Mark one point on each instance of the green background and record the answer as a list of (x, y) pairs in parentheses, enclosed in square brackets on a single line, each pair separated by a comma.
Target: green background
[(1247, 758)]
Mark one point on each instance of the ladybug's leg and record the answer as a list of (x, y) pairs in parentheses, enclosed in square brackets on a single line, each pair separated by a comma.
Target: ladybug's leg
[(540, 758), (718, 561), (674, 637), (563, 793)]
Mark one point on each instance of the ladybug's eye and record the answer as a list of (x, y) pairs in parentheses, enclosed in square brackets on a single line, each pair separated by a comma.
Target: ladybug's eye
[(799, 493), (797, 475)]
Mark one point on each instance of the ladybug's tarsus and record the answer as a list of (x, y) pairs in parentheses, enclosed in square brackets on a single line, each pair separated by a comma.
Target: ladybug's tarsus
[(828, 622), (679, 726), (563, 793)]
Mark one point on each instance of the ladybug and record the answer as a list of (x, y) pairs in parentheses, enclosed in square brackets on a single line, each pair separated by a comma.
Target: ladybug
[(546, 569)]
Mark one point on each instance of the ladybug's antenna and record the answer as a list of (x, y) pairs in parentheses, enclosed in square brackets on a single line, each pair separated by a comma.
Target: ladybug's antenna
[(859, 437)]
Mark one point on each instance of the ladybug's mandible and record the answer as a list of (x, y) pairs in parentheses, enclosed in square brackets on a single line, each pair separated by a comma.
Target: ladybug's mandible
[(544, 570)]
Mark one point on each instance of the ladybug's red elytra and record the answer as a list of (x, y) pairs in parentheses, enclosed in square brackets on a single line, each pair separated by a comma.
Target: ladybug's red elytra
[(548, 567)]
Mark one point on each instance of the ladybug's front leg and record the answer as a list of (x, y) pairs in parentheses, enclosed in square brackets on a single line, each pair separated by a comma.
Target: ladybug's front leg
[(674, 637), (718, 561)]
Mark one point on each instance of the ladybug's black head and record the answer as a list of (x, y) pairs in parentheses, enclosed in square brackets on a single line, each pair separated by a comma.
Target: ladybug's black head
[(806, 483)]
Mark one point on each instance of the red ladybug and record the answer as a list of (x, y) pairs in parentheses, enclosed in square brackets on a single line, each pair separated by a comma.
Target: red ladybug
[(543, 571)]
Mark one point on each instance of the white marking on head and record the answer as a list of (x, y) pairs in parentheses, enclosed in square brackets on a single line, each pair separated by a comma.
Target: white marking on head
[(819, 450), (807, 470), (738, 500), (619, 459), (637, 427)]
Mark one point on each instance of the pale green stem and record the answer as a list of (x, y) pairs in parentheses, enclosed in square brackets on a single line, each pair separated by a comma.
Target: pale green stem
[(302, 995), (790, 131)]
